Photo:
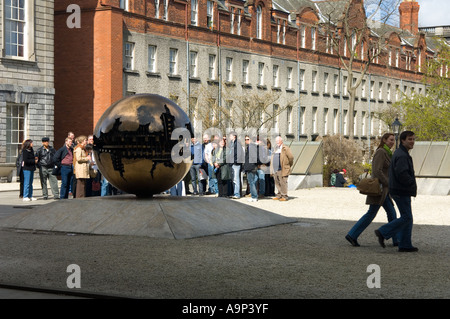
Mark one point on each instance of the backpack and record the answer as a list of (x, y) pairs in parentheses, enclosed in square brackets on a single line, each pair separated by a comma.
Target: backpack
[(333, 179)]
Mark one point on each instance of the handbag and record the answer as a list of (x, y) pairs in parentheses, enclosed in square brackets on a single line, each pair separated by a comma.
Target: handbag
[(56, 170), (370, 186)]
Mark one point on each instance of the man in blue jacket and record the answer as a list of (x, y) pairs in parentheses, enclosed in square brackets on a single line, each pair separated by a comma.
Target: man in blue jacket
[(402, 185)]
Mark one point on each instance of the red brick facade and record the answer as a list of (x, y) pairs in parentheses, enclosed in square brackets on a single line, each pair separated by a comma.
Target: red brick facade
[(89, 60)]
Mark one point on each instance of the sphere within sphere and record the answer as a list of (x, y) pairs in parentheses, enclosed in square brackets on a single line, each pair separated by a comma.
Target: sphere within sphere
[(133, 144)]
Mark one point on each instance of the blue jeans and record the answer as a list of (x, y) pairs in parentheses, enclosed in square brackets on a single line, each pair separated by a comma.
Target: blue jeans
[(66, 177), (105, 189), (28, 183), (252, 178), (212, 181), (262, 181), (367, 218), (236, 176), (401, 226)]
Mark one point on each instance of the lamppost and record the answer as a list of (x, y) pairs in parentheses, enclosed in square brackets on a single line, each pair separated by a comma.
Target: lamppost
[(396, 127)]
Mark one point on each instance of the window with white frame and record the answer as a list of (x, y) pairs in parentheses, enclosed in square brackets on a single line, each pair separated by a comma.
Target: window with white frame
[(372, 84), (289, 118), (275, 76), (303, 36), (229, 69), (314, 81), (157, 9), (276, 108), (313, 38), (278, 31), (209, 14), (355, 118), (325, 121), (302, 120), (238, 24), (363, 123), (397, 58), (325, 82), (166, 10), (289, 78), (124, 4), (314, 119), (336, 84), (261, 73), (345, 122), (245, 64), (259, 22), (335, 121), (388, 91), (232, 20), (363, 88), (15, 130), (129, 56), (380, 90), (302, 79), (152, 58), (193, 64), (173, 59), (194, 12), (212, 67), (344, 86), (18, 21)]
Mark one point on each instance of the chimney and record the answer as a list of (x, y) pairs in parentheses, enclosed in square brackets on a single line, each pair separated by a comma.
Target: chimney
[(409, 16)]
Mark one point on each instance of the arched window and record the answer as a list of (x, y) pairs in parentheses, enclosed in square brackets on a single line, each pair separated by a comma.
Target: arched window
[(259, 22)]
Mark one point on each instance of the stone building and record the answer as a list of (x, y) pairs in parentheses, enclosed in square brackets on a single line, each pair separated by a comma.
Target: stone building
[(217, 58), (26, 76)]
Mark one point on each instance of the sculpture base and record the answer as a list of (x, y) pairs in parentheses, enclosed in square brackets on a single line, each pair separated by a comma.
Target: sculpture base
[(160, 216)]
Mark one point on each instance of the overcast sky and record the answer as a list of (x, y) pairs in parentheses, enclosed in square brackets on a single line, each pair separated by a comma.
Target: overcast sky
[(434, 13)]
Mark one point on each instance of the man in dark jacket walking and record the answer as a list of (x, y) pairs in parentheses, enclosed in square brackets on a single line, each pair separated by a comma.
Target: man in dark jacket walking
[(45, 163), (402, 185)]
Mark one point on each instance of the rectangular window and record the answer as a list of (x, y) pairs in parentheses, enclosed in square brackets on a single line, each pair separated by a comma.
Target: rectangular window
[(289, 118), (245, 64), (363, 88), (238, 24), (335, 121), (261, 73), (212, 67), (314, 119), (372, 84), (194, 12), (232, 20), (363, 123), (325, 121), (156, 9), (193, 64), (166, 10), (129, 56), (124, 4), (325, 82), (289, 78), (302, 79), (380, 90), (314, 81), (275, 76), (302, 119), (209, 14), (344, 86), (303, 36), (15, 28), (173, 58), (229, 69), (313, 38), (336, 84), (15, 130), (275, 116), (152, 58)]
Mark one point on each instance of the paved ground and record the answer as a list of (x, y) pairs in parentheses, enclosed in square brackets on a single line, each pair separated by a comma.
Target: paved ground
[(306, 259)]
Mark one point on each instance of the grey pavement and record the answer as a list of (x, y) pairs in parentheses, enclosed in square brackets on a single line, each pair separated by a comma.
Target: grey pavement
[(306, 259)]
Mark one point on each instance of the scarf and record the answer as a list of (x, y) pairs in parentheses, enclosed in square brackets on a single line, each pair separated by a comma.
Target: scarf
[(388, 150)]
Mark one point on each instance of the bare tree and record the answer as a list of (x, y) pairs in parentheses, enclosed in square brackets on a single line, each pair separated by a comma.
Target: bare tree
[(356, 40)]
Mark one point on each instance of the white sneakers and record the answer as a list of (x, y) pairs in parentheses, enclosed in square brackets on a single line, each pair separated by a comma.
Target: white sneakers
[(27, 199), (252, 199)]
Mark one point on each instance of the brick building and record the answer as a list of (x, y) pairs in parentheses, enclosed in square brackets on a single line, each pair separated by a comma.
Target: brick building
[(210, 55), (26, 76)]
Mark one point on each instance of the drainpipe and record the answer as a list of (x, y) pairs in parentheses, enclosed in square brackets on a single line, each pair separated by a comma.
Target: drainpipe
[(188, 86), (299, 109)]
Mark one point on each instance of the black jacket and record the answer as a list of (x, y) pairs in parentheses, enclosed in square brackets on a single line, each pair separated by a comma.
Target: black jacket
[(45, 157), (28, 160), (402, 180), (59, 155)]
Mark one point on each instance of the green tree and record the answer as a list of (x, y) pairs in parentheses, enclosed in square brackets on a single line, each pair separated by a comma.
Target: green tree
[(428, 115)]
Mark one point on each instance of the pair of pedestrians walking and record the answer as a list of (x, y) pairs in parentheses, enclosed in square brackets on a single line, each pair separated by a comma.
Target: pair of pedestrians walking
[(395, 173)]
